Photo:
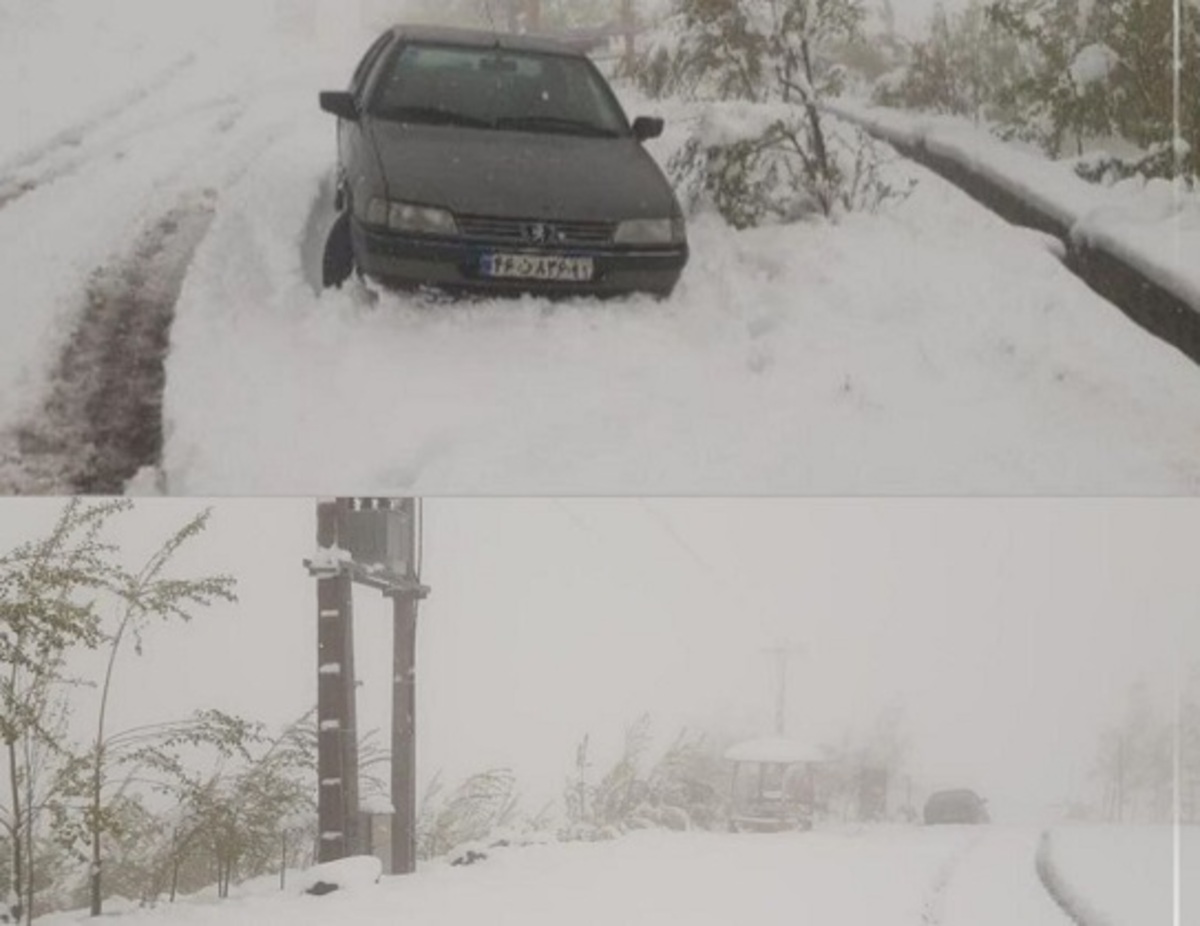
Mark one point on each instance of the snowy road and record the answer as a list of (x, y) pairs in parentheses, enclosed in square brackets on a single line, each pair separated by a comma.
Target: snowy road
[(945, 876), (160, 317)]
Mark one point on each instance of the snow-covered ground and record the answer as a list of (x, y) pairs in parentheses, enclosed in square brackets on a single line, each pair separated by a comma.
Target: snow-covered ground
[(1152, 225), (1126, 875), (928, 349), (886, 876)]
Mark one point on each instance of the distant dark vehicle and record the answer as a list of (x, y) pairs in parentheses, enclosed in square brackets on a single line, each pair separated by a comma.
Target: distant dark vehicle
[(470, 160), (957, 806)]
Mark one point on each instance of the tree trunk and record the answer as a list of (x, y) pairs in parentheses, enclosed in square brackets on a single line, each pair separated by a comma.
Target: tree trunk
[(96, 886), (18, 867), (28, 836), (820, 152)]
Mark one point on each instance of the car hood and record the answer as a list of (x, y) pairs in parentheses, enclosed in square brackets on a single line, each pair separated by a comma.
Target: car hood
[(521, 174)]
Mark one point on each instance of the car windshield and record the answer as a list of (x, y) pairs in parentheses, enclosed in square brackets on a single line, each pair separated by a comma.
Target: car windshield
[(497, 89)]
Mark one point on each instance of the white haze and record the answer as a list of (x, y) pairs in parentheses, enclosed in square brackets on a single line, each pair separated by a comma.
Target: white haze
[(1006, 632)]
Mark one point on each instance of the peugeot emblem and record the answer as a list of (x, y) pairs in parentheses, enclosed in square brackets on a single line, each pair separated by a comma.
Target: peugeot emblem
[(538, 233)]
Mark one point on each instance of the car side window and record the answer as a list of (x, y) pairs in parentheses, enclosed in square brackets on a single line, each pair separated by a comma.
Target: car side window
[(367, 62)]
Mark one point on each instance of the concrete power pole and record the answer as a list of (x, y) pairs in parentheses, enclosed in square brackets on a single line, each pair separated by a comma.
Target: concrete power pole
[(337, 743), (782, 654), (373, 542), (404, 675)]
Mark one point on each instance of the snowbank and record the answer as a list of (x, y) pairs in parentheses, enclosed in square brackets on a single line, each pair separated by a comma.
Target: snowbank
[(345, 874), (1152, 227)]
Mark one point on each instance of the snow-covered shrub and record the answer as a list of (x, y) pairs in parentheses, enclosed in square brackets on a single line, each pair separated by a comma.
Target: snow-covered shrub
[(1098, 70), (779, 54), (756, 165), (681, 790), (481, 806), (1159, 162), (964, 65), (756, 50)]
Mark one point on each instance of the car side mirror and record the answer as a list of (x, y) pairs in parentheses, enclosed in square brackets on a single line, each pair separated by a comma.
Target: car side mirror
[(340, 103), (647, 127)]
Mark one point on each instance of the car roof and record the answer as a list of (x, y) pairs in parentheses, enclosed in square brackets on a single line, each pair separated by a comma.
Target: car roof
[(955, 794), (482, 38)]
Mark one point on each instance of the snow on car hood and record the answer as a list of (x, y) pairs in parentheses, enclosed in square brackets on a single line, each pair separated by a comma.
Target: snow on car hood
[(521, 174)]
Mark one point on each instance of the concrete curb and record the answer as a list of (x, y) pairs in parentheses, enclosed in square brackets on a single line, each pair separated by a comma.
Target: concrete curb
[(1158, 311)]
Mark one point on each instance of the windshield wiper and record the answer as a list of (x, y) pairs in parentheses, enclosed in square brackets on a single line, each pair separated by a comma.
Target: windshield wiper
[(433, 115), (555, 124)]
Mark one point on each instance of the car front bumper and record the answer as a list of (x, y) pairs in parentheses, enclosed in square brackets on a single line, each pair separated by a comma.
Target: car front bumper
[(410, 260)]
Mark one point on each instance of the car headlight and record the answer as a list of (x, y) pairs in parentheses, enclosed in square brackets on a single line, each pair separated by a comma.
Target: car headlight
[(408, 217), (650, 231)]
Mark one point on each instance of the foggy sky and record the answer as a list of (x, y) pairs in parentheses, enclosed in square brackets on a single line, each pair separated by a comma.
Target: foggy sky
[(1007, 632)]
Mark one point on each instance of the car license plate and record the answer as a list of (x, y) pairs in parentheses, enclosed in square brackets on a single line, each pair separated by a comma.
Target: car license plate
[(549, 267)]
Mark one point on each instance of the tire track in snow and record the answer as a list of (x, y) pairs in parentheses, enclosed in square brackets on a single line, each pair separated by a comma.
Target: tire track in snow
[(1057, 888), (102, 420), (74, 136), (933, 908), (59, 163)]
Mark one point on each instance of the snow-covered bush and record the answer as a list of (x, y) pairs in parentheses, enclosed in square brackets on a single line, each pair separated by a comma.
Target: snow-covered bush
[(1074, 71), (755, 165), (679, 791), (484, 804), (776, 57), (1062, 74), (1158, 162), (964, 65)]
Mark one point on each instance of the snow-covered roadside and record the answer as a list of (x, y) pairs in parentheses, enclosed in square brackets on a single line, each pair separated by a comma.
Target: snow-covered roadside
[(928, 349), (1123, 875), (879, 877), (180, 103), (1152, 226)]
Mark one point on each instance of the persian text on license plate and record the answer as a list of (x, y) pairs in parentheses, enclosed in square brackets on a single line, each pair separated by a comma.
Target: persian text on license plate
[(538, 267)]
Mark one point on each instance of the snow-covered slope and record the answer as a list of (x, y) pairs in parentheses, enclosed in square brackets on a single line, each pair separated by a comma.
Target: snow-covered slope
[(927, 349)]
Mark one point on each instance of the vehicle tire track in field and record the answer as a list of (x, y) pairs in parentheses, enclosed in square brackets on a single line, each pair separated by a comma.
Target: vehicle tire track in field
[(59, 164), (75, 135), (1053, 883), (933, 907), (102, 421)]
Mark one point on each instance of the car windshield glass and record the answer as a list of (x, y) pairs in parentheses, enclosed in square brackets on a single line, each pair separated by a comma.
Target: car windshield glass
[(490, 88)]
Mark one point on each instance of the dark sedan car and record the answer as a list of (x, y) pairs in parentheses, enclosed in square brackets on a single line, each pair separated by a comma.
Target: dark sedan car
[(956, 806), (472, 160)]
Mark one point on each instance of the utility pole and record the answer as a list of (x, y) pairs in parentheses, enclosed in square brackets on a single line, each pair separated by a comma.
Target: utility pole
[(373, 542), (337, 743), (782, 653), (404, 751)]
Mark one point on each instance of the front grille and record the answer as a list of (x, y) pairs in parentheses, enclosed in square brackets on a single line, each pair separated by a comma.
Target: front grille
[(536, 232)]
